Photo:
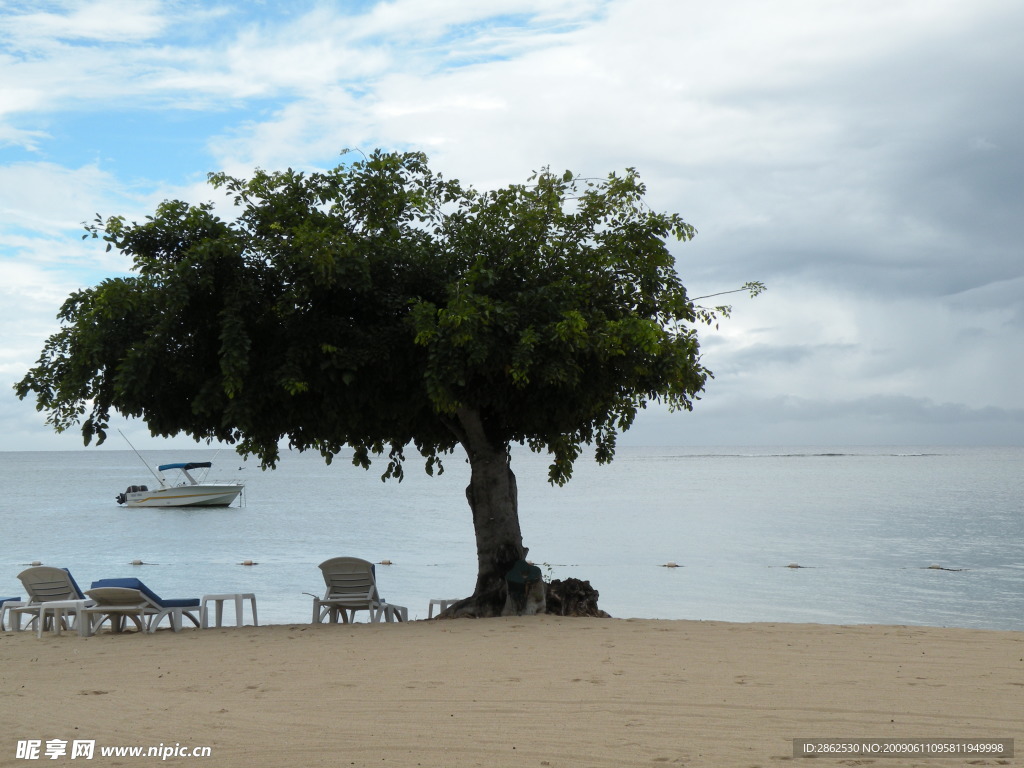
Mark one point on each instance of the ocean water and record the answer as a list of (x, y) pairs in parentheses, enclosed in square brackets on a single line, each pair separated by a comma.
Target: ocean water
[(864, 524)]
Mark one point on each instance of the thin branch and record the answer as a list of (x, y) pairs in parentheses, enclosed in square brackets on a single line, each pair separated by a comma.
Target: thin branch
[(755, 288), (721, 293)]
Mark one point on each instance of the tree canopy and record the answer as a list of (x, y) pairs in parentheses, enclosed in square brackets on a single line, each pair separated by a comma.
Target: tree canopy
[(378, 306)]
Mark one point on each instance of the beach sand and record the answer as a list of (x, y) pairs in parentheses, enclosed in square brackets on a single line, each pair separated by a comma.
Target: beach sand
[(531, 691)]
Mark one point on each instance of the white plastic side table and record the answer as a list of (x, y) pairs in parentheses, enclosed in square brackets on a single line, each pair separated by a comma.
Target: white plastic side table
[(60, 609), (442, 606), (219, 600), (9, 605), (390, 613)]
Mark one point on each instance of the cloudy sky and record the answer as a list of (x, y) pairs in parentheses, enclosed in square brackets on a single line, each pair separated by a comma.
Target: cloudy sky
[(863, 158)]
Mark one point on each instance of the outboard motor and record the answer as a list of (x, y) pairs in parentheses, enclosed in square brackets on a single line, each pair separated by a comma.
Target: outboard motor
[(122, 498)]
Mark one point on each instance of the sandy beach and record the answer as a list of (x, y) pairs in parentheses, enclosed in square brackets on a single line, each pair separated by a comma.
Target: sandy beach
[(532, 691)]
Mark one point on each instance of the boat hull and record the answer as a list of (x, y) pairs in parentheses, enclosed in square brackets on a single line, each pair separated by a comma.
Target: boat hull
[(184, 496)]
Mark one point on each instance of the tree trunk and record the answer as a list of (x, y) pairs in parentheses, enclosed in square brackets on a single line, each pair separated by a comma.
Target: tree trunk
[(493, 499)]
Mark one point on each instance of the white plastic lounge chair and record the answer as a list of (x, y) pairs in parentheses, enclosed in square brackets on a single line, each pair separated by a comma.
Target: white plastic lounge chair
[(53, 596), (119, 599), (352, 586)]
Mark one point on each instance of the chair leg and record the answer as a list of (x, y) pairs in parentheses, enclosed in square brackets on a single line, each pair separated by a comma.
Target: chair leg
[(173, 616), (337, 612), (32, 614)]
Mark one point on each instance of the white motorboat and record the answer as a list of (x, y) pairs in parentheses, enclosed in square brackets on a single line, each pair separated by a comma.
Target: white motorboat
[(187, 493)]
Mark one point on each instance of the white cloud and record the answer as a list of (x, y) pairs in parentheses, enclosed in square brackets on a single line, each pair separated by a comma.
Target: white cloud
[(862, 158), (106, 21), (49, 198), (416, 21), (29, 300), (811, 342)]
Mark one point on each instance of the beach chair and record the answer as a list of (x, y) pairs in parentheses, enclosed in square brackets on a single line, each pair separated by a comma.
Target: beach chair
[(117, 600), (54, 599), (352, 586)]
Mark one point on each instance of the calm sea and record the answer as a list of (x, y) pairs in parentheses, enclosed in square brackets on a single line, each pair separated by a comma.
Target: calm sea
[(864, 524)]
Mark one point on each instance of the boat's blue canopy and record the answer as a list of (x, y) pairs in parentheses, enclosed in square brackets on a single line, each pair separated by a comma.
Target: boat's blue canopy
[(189, 465)]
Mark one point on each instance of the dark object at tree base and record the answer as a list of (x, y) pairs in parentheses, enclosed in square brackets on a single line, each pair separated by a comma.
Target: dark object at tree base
[(573, 597), (525, 587)]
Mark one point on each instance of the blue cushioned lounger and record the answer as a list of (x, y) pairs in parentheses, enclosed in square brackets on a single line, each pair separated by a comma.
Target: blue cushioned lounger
[(117, 599)]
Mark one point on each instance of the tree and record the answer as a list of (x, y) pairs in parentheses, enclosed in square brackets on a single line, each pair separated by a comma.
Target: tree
[(380, 306)]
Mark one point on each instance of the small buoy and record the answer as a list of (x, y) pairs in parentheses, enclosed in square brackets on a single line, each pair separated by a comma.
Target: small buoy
[(247, 562), (137, 562), (384, 562), (671, 564), (35, 563), (935, 567)]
